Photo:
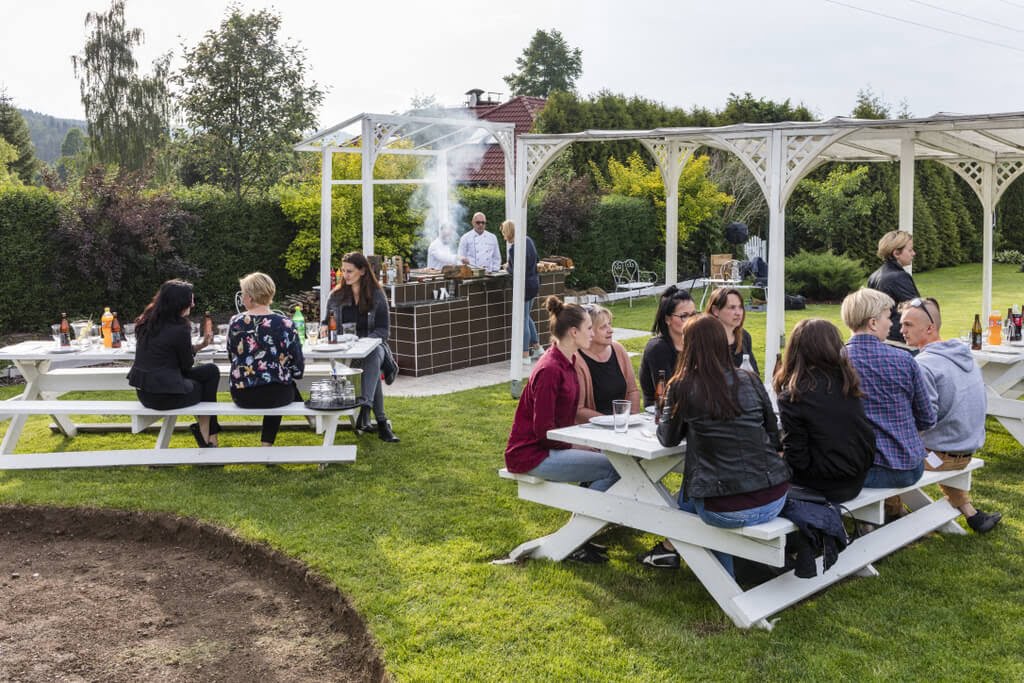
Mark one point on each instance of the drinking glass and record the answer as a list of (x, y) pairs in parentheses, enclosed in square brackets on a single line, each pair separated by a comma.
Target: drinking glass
[(348, 328), (129, 334), (313, 333), (55, 333), (620, 415)]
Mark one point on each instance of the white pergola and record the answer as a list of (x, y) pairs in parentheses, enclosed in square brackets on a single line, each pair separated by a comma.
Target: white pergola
[(987, 151), (433, 138)]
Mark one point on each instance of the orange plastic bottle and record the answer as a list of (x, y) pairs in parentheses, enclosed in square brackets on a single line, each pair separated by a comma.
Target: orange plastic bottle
[(995, 328), (105, 321)]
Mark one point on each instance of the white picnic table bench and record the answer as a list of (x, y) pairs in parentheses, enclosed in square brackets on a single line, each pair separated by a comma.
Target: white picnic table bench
[(45, 380), (641, 501)]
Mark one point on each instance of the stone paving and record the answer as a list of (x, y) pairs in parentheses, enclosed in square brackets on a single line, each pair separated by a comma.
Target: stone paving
[(471, 378)]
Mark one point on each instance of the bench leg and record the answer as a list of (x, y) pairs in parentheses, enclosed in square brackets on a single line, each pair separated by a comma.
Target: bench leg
[(719, 583), (163, 439), (330, 425)]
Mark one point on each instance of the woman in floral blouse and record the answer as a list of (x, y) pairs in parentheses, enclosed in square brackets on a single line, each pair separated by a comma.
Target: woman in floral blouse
[(265, 353)]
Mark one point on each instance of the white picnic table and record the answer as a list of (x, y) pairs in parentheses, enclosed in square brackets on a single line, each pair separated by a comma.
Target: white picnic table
[(1002, 368), (51, 371), (640, 500)]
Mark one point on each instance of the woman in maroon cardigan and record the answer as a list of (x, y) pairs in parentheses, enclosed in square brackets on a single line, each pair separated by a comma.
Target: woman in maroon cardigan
[(549, 401), (603, 370)]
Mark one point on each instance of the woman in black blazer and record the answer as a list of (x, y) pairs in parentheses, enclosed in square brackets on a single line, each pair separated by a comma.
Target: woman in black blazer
[(163, 373)]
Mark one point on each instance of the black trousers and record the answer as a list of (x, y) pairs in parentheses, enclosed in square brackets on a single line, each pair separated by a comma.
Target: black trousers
[(200, 385), (267, 396)]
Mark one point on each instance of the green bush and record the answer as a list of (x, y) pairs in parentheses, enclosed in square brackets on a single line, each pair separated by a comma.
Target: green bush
[(233, 237), (1011, 256), (822, 276), (620, 227), (29, 259)]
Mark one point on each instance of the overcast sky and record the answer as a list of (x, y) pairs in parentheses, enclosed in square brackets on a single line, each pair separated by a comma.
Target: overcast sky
[(374, 56)]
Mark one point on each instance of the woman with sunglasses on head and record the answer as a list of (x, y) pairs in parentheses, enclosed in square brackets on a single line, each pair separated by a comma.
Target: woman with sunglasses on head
[(603, 369), (163, 373), (675, 307), (827, 439), (358, 299), (733, 475), (549, 401), (896, 249), (726, 304)]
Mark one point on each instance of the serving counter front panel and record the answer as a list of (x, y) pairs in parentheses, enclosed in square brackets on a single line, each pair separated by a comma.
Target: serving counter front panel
[(472, 328)]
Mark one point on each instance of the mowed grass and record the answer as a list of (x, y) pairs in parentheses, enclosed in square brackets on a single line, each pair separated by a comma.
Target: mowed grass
[(408, 531)]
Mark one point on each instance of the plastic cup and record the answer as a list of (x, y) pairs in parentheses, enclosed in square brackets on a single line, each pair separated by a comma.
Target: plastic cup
[(620, 415)]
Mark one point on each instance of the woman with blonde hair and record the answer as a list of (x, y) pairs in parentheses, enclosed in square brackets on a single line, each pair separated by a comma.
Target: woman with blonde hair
[(265, 352), (896, 249), (531, 340), (604, 370)]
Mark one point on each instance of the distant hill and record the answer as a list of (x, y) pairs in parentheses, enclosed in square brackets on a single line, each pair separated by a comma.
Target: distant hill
[(48, 133)]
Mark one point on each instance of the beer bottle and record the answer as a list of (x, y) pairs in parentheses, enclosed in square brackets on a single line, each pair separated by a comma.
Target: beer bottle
[(332, 329), (659, 396), (208, 324), (115, 332), (976, 333), (65, 330)]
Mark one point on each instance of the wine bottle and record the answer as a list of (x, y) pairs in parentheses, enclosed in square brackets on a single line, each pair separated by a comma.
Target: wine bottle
[(976, 333)]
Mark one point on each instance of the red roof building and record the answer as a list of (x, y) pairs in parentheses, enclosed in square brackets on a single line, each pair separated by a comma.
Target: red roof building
[(521, 111)]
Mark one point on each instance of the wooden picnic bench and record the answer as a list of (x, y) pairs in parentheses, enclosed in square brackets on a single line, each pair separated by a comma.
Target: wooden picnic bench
[(161, 454), (640, 500)]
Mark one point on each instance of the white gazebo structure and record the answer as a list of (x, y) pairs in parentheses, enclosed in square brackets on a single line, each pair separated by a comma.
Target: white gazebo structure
[(987, 151), (433, 138)]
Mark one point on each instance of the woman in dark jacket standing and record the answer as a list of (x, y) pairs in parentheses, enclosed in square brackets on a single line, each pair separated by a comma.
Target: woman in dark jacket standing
[(358, 299), (896, 249), (531, 340), (733, 475), (826, 437), (163, 373)]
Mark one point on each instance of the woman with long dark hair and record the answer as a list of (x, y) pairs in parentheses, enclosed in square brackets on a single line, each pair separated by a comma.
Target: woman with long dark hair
[(265, 353), (726, 304), (548, 402), (163, 373), (675, 307), (358, 299), (733, 475), (826, 438)]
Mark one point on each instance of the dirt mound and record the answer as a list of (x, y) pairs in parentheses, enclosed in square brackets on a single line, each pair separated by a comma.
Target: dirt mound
[(124, 596)]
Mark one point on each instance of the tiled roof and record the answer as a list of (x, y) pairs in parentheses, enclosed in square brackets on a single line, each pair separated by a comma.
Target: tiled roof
[(522, 111)]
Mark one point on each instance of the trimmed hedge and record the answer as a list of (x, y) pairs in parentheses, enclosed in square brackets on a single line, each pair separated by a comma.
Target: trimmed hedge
[(232, 238), (822, 277), (29, 258)]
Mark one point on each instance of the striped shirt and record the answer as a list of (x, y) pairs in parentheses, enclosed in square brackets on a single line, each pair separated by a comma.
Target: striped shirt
[(895, 400)]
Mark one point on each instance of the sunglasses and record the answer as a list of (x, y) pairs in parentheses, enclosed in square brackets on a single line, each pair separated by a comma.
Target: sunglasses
[(920, 303)]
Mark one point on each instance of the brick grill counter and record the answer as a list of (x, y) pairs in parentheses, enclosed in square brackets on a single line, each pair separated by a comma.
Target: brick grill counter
[(473, 328)]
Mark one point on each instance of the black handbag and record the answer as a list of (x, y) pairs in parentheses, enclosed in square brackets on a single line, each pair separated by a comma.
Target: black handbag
[(388, 366)]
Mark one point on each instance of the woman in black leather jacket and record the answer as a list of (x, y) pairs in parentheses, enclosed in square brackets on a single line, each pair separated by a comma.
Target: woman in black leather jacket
[(896, 249), (733, 474)]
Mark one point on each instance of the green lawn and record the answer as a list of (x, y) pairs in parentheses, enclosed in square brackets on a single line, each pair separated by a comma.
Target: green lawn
[(407, 532)]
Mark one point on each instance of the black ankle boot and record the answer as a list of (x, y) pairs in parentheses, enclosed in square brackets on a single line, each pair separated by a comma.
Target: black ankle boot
[(363, 424), (385, 433)]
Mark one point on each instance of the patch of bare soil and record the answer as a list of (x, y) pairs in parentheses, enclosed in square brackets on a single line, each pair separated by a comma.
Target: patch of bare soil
[(106, 595)]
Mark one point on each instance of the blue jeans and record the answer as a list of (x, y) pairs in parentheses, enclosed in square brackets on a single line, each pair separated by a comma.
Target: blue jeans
[(574, 464), (530, 337), (879, 477), (731, 520)]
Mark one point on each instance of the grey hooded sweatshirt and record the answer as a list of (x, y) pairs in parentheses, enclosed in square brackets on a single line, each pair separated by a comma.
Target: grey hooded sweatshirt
[(957, 392)]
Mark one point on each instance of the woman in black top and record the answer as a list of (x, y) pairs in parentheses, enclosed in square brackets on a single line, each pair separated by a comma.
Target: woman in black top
[(674, 309), (726, 304), (826, 437), (358, 299), (163, 373), (896, 249)]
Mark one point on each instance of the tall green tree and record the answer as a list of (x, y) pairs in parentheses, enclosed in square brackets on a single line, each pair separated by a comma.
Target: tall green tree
[(547, 65), (246, 100), (14, 131), (128, 113)]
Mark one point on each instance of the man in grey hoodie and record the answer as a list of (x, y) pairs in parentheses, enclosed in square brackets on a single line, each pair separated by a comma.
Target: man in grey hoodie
[(957, 392)]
